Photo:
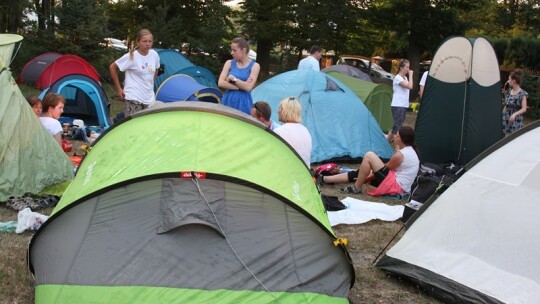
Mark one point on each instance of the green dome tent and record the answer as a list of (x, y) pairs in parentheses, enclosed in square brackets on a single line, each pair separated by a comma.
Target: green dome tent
[(30, 158), (190, 203), (377, 97)]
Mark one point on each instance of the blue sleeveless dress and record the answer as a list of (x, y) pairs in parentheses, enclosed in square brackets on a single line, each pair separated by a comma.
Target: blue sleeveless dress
[(238, 99)]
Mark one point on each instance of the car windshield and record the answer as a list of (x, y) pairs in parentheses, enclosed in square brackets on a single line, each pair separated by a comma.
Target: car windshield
[(374, 66)]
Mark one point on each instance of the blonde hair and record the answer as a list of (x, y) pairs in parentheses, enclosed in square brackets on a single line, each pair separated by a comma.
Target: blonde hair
[(140, 34), (402, 64), (290, 110)]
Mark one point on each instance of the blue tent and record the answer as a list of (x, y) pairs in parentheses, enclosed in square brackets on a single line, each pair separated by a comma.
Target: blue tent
[(185, 88), (175, 63), (340, 125), (85, 99)]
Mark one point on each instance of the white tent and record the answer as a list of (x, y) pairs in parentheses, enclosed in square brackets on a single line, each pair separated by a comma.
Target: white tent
[(478, 242)]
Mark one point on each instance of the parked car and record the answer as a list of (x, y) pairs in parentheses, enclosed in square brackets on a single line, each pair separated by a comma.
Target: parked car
[(363, 64), (116, 44)]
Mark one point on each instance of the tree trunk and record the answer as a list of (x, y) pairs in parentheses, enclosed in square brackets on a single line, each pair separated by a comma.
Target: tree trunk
[(264, 47), (413, 51)]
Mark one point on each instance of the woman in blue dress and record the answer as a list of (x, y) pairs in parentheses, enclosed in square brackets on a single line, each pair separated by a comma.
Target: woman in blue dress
[(238, 77), (515, 104)]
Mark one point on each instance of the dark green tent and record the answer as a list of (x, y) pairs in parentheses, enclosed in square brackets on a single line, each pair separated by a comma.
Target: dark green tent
[(190, 203), (460, 114), (377, 97)]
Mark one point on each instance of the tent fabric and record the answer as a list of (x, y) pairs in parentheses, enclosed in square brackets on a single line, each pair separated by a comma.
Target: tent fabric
[(30, 159), (460, 115), (202, 75), (7, 46), (177, 219), (475, 243), (175, 63), (349, 71), (339, 123), (32, 70), (45, 69), (85, 99), (172, 61), (376, 97), (184, 88)]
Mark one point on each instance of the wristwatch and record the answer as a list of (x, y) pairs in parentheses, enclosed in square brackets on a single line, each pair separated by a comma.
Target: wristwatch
[(234, 80)]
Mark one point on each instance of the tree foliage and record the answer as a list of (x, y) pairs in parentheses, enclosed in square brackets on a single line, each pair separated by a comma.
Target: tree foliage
[(390, 28)]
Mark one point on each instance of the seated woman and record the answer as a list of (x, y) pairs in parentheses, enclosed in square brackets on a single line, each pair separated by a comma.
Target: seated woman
[(53, 107), (394, 177), (36, 104), (292, 130)]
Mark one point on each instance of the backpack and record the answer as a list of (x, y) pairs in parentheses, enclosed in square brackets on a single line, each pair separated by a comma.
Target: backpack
[(432, 179), (327, 169), (332, 203)]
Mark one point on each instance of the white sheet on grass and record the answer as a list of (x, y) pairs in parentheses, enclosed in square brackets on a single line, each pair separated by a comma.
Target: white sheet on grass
[(359, 211)]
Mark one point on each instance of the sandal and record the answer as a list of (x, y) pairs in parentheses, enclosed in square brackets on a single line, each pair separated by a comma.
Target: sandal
[(351, 189)]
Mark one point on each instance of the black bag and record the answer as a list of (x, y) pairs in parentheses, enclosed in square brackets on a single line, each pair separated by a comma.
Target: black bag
[(332, 203), (423, 187)]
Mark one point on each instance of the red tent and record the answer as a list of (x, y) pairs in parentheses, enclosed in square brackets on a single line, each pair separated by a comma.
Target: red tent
[(43, 70)]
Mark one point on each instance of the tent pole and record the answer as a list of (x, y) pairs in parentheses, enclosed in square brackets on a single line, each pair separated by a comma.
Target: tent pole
[(384, 249)]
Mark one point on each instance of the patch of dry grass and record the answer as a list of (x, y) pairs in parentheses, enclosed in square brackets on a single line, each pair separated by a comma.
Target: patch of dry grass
[(16, 282)]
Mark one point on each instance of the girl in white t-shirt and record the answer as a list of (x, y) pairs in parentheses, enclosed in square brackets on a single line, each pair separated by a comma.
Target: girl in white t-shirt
[(53, 107), (400, 98), (141, 69)]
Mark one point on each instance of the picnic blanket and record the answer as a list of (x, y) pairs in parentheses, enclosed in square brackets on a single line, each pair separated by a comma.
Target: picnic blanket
[(359, 211)]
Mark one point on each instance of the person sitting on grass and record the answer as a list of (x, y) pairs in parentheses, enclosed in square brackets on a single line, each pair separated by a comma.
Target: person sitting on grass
[(394, 177), (262, 111), (36, 104), (53, 107)]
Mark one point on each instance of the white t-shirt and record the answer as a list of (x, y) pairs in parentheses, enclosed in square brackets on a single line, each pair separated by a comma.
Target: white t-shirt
[(309, 63), (298, 137), (400, 98), (423, 79), (139, 72), (52, 125), (408, 170)]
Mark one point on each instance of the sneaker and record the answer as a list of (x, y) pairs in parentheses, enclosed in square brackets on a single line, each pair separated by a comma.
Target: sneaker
[(351, 189)]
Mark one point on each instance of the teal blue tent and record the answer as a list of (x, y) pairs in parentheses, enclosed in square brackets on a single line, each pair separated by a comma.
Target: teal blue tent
[(173, 63), (85, 99), (340, 125)]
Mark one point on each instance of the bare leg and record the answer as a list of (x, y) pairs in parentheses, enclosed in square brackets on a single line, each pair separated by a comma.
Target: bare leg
[(336, 179), (370, 162)]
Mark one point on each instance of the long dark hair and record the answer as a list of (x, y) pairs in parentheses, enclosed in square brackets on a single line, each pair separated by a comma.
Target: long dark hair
[(408, 137)]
